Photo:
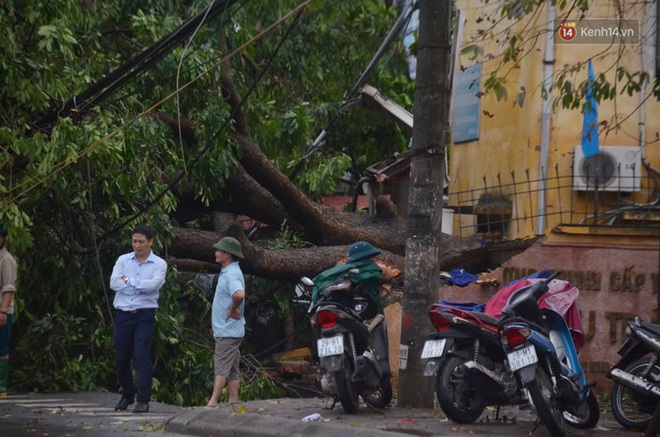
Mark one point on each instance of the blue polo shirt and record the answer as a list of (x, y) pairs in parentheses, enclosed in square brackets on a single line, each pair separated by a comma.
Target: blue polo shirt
[(230, 281)]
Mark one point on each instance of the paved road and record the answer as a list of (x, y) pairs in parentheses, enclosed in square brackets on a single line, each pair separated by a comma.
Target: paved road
[(92, 414), (78, 414)]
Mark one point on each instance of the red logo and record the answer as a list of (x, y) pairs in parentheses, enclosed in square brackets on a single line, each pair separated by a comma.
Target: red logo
[(567, 30)]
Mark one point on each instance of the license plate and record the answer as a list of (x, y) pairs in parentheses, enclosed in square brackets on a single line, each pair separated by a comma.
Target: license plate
[(522, 358), (330, 346), (433, 348)]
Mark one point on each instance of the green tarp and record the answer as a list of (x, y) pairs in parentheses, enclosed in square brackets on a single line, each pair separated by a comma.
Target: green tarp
[(369, 275)]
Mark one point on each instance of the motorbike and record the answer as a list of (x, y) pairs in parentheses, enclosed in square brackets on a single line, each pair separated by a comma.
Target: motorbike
[(636, 376), (472, 367), (351, 345), (466, 348), (541, 352)]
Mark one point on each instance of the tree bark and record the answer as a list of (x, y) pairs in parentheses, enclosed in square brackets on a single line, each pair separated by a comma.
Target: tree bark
[(262, 192), (276, 264), (423, 243), (321, 229)]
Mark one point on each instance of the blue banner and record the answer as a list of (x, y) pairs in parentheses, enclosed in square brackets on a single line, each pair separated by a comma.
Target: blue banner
[(590, 125)]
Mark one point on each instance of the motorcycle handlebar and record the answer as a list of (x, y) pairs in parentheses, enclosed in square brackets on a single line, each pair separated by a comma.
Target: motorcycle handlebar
[(553, 276), (542, 286), (537, 289)]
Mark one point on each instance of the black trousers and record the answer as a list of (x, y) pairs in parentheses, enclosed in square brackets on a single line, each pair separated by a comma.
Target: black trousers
[(133, 336)]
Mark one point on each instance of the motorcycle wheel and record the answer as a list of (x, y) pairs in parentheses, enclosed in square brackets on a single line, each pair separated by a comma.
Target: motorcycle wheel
[(631, 409), (545, 403), (585, 415), (460, 400), (380, 398), (348, 395)]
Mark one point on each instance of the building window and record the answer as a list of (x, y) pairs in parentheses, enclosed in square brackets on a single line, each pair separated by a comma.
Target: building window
[(467, 104)]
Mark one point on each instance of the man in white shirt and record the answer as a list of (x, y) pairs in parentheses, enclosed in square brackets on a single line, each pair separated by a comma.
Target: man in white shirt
[(136, 279)]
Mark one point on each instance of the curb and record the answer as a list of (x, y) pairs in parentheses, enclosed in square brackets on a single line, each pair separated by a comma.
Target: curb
[(222, 424)]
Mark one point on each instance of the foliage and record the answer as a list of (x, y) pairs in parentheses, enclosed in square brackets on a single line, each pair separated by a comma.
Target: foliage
[(71, 188), (286, 238), (73, 184), (261, 387), (514, 35)]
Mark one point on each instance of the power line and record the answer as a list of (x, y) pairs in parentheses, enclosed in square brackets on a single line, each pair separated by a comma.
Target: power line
[(127, 72), (212, 139), (348, 98)]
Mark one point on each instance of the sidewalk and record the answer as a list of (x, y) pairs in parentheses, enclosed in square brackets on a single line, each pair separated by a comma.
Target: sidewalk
[(284, 417), (91, 414)]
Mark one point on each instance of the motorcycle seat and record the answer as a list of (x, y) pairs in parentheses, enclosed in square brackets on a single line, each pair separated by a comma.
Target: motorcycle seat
[(651, 327), (483, 317)]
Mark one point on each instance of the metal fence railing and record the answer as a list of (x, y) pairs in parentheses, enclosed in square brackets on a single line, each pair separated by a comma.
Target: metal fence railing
[(507, 205)]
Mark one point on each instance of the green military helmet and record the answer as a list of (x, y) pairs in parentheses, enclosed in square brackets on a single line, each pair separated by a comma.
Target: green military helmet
[(361, 250), (229, 245)]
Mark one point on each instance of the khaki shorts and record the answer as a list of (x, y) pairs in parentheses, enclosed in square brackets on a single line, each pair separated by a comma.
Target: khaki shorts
[(227, 357)]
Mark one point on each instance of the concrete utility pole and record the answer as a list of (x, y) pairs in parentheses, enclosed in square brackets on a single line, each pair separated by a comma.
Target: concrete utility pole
[(427, 175)]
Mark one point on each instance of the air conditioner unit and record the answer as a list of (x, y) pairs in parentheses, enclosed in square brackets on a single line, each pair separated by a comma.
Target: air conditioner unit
[(613, 168)]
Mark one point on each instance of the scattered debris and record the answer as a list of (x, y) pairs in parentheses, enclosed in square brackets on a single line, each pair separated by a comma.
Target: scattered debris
[(316, 417), (296, 361)]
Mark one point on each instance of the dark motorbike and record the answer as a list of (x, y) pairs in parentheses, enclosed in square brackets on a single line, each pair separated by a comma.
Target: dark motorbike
[(541, 352), (473, 370), (468, 361), (636, 376), (351, 345)]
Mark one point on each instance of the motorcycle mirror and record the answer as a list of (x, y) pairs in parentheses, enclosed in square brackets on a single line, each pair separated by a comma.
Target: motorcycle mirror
[(306, 281)]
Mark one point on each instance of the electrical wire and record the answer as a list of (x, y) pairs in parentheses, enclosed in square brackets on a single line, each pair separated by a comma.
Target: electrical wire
[(109, 84), (349, 99), (226, 122), (399, 24), (178, 75), (61, 165)]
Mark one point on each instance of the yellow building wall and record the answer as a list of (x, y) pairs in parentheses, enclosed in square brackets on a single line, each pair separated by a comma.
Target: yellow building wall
[(509, 146)]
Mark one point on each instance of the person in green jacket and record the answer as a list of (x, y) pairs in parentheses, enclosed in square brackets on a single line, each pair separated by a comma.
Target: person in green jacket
[(369, 276)]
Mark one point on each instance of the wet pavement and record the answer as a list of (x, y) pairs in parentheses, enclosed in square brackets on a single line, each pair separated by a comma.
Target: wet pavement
[(92, 414)]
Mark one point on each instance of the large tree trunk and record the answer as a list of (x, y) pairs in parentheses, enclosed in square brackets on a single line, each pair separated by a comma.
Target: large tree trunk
[(276, 264), (262, 192), (192, 249)]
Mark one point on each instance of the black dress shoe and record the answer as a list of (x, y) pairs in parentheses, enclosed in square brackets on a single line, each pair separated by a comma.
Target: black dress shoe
[(123, 403), (141, 407)]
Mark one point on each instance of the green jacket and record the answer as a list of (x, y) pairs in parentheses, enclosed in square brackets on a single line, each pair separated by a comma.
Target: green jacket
[(369, 275)]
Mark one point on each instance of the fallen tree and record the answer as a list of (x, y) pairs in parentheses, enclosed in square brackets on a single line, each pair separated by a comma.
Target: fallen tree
[(258, 189)]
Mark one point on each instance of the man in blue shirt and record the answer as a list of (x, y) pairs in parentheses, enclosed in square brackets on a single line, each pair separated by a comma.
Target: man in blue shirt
[(227, 320), (136, 279)]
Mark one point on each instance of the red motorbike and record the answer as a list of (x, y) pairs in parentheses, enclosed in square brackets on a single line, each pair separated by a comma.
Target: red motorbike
[(466, 356), (471, 367)]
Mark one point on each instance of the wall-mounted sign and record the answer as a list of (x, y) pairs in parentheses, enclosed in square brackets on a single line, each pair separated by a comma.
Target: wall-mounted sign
[(467, 104)]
